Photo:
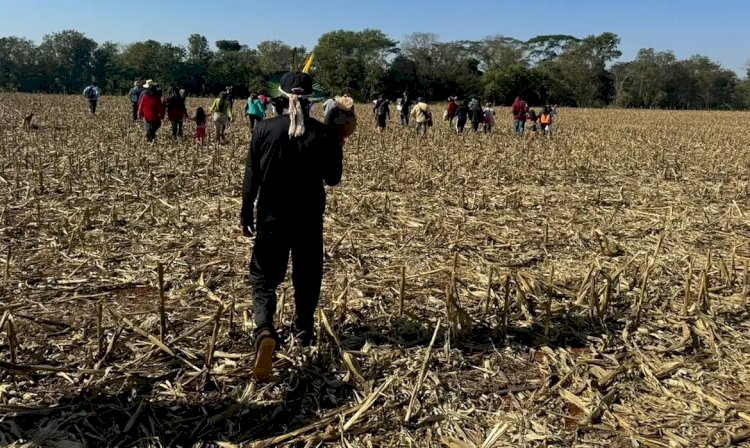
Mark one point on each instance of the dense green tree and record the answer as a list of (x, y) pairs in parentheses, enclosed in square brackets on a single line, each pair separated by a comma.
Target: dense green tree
[(17, 63), (351, 60), (66, 59), (559, 69), (275, 56), (228, 45)]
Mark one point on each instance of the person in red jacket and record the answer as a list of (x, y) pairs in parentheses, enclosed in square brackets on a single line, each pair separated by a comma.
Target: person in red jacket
[(151, 109), (519, 110), (451, 111)]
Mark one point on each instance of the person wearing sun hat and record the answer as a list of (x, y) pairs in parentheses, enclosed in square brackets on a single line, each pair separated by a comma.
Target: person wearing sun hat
[(151, 109), (290, 159)]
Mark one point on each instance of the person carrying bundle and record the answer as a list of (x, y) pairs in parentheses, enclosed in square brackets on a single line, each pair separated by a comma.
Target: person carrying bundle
[(422, 116), (290, 159)]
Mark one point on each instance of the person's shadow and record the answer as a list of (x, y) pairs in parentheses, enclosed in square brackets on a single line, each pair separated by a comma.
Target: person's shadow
[(137, 417), (301, 394)]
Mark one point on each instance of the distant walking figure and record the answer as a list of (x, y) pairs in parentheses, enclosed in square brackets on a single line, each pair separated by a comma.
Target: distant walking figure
[(135, 97), (519, 110), (151, 109), (476, 113), (422, 116), (255, 109), (462, 114), (174, 104), (382, 112), (222, 112), (91, 93), (489, 118)]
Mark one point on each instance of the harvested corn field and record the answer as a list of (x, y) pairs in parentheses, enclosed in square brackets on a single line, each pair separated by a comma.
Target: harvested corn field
[(588, 290)]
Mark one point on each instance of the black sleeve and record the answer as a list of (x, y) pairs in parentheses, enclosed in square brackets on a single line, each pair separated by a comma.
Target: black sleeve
[(251, 182), (333, 159)]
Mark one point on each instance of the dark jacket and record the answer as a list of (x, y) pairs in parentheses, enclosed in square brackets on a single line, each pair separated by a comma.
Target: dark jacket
[(287, 174), (476, 113), (175, 107), (462, 113)]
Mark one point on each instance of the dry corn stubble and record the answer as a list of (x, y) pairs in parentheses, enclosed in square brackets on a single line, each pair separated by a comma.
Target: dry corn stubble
[(90, 210)]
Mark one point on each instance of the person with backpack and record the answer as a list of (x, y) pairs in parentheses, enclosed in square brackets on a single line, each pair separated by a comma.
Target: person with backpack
[(489, 118), (291, 158), (519, 110), (476, 114), (382, 112), (462, 114), (135, 96), (174, 104), (151, 109), (91, 93), (422, 116), (255, 110)]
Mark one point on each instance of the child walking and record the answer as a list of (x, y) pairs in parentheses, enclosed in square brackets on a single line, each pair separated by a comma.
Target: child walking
[(201, 123)]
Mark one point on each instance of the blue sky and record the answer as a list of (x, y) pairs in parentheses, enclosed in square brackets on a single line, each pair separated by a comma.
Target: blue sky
[(715, 28)]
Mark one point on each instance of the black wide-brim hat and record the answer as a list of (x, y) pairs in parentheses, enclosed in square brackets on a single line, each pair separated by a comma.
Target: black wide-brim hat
[(297, 83)]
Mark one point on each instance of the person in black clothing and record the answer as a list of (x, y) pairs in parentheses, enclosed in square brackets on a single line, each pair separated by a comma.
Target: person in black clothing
[(382, 112), (406, 105), (291, 157), (476, 114)]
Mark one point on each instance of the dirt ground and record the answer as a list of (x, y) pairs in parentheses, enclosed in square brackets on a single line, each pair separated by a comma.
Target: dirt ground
[(591, 289)]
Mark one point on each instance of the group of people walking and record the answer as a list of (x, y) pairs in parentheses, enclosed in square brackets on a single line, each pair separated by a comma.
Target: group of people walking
[(544, 122), (419, 112), (152, 106), (460, 114), (471, 112)]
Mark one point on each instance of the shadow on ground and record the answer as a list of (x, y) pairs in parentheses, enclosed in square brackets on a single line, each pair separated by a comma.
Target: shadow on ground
[(137, 418)]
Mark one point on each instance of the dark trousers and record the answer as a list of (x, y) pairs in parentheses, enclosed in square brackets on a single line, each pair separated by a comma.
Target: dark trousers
[(475, 126), (177, 129), (151, 127), (273, 242), (135, 111), (92, 106), (404, 119), (460, 124), (253, 120)]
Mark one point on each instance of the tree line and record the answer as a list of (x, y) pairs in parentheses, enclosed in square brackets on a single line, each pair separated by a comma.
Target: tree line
[(554, 69)]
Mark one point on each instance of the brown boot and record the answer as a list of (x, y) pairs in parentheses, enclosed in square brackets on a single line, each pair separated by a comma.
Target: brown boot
[(264, 348)]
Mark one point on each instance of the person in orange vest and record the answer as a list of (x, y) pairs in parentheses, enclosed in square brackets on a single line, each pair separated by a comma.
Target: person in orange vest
[(545, 121)]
